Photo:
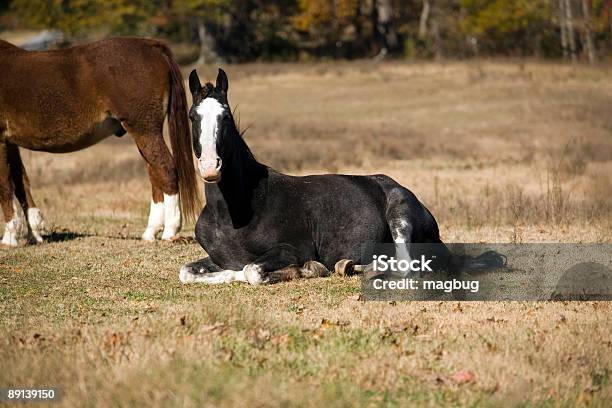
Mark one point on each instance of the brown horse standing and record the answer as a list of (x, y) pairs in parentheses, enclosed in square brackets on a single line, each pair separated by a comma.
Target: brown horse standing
[(67, 100)]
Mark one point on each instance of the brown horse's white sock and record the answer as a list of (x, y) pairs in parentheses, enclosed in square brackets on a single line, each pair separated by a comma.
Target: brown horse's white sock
[(17, 226), (172, 216), (156, 221), (36, 222)]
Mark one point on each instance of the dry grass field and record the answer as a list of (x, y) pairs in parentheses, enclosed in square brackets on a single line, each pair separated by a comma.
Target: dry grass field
[(506, 151)]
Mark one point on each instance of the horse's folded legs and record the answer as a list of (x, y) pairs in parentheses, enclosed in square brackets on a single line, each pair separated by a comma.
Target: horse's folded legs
[(314, 269), (344, 267), (194, 273), (347, 267), (206, 271), (254, 274), (191, 275), (278, 264)]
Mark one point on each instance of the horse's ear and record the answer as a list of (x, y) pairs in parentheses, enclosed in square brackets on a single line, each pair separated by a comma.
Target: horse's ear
[(222, 82), (194, 83)]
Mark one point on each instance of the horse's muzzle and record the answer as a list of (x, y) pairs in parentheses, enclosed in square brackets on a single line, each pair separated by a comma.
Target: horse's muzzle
[(210, 170)]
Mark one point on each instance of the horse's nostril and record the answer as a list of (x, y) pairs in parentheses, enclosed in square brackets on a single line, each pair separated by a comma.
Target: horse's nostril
[(218, 163)]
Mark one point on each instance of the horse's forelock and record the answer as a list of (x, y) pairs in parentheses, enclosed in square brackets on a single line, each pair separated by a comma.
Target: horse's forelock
[(207, 89)]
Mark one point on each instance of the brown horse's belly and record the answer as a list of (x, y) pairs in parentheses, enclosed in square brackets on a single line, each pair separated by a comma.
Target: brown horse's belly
[(68, 140)]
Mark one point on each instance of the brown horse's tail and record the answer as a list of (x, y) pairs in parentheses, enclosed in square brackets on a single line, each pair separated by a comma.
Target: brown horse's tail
[(180, 139)]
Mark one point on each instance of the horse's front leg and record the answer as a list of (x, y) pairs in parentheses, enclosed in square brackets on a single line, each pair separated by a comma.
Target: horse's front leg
[(165, 206), (156, 213), (206, 271), (282, 263), (21, 184), (16, 225)]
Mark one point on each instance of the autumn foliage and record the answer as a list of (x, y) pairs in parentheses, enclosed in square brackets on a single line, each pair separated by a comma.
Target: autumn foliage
[(289, 29)]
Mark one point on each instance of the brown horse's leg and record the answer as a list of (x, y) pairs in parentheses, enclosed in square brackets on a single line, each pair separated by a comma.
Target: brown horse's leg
[(13, 214), (164, 184), (156, 214), (21, 183)]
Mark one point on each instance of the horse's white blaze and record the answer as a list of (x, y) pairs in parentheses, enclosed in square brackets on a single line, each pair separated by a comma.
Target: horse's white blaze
[(36, 222), (16, 227), (172, 216), (209, 110), (156, 221)]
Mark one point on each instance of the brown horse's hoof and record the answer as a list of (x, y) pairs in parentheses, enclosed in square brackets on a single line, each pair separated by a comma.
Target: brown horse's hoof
[(314, 269), (345, 267), (176, 239)]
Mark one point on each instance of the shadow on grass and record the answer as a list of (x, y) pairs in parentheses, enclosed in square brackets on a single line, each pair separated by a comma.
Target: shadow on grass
[(61, 236)]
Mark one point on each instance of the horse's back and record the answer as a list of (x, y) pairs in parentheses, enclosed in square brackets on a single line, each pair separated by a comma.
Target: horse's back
[(341, 212), (347, 211), (131, 72), (84, 71)]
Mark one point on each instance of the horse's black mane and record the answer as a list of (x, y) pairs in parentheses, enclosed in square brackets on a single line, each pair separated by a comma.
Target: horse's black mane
[(242, 176), (238, 142), (207, 89)]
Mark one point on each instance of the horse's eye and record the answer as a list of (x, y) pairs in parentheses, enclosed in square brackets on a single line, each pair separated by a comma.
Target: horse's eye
[(192, 115)]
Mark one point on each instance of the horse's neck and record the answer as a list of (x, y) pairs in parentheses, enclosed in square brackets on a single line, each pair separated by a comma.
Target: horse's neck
[(241, 179)]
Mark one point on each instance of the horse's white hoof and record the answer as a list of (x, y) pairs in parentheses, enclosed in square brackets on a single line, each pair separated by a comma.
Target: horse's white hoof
[(148, 235), (186, 275), (12, 232), (35, 238), (253, 274), (169, 235), (314, 269), (155, 223), (17, 227), (9, 239), (36, 222), (345, 267)]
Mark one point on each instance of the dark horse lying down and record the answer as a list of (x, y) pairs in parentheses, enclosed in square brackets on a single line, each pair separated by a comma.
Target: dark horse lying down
[(261, 226)]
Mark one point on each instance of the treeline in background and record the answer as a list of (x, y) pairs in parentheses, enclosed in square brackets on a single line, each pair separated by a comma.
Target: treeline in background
[(246, 30)]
